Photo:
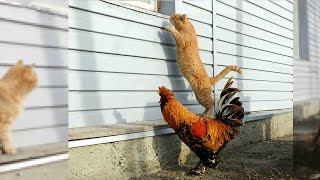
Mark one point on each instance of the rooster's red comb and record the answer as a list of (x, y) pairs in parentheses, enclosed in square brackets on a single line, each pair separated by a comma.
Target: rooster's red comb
[(165, 92)]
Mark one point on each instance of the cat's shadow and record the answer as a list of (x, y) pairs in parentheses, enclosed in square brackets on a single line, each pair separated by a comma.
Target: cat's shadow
[(168, 153), (177, 81)]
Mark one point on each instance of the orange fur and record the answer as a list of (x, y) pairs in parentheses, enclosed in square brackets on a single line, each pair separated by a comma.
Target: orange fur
[(14, 86), (190, 63)]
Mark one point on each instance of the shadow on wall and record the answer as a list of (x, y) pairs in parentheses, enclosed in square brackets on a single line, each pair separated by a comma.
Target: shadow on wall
[(167, 150), (87, 96), (173, 69), (61, 134)]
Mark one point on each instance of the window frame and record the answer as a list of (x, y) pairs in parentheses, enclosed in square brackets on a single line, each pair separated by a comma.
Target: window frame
[(152, 6)]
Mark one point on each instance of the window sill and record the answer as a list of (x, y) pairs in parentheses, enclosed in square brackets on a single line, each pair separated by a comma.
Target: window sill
[(138, 9)]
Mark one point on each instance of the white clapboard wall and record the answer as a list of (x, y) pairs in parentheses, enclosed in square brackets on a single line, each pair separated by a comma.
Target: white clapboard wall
[(120, 56), (257, 36), (307, 71), (38, 36)]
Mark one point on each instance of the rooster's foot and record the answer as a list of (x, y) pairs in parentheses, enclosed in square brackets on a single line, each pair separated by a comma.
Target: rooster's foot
[(198, 170)]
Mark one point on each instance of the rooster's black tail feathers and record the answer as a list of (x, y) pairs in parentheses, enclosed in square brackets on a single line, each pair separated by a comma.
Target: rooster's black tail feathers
[(229, 108)]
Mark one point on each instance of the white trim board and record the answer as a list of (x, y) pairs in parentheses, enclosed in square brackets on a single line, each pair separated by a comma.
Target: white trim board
[(33, 162), (130, 136), (122, 137)]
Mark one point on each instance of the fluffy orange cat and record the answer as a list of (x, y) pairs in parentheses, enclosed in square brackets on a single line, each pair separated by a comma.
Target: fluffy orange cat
[(14, 86), (190, 63)]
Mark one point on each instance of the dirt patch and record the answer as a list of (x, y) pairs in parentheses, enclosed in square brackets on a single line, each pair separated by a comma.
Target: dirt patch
[(307, 149), (263, 160)]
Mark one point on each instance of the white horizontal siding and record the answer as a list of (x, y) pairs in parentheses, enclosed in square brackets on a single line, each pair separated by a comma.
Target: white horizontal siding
[(257, 36), (35, 35), (256, 85), (284, 4), (56, 76), (233, 11), (127, 28), (34, 118), (115, 72), (260, 12), (119, 115), (207, 5), (41, 38), (96, 81), (274, 8), (260, 75), (104, 43), (36, 18), (252, 30), (116, 100), (123, 64), (40, 136), (46, 57), (124, 99), (307, 72), (250, 63), (135, 16), (194, 12), (250, 52)]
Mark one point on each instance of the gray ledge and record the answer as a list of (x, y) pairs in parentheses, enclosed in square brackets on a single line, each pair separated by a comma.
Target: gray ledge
[(142, 126), (33, 152)]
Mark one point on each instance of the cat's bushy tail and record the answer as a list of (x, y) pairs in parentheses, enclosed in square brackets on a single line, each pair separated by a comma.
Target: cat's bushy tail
[(223, 73)]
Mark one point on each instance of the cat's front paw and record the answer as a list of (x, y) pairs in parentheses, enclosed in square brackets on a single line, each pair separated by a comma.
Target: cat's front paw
[(10, 150), (169, 28)]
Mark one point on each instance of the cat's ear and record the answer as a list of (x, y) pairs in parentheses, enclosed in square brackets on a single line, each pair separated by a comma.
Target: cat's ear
[(184, 17), (19, 63)]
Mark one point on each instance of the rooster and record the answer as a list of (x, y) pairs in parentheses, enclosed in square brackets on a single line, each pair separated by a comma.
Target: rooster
[(206, 137)]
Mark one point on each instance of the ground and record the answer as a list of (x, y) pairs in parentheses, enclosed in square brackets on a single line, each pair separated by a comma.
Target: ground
[(262, 160), (306, 156)]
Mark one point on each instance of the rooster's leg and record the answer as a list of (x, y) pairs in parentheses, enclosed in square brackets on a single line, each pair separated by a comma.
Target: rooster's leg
[(198, 170)]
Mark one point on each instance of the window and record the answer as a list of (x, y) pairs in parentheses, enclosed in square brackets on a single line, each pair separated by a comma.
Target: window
[(151, 5)]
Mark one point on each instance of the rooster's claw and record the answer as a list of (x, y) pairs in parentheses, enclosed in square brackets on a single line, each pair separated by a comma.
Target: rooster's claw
[(197, 171)]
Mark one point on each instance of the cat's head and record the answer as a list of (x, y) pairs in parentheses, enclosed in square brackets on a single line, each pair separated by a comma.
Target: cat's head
[(180, 21), (23, 74)]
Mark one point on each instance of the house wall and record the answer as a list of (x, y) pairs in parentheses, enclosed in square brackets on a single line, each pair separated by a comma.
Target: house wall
[(118, 59), (120, 56), (40, 37), (307, 65), (257, 36)]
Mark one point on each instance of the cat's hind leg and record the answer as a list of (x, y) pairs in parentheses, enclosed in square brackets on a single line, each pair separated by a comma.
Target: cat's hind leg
[(207, 112), (223, 73), (204, 97), (5, 138)]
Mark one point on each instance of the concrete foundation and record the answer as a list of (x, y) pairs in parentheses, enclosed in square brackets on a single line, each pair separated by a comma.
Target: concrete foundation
[(133, 158), (303, 110)]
